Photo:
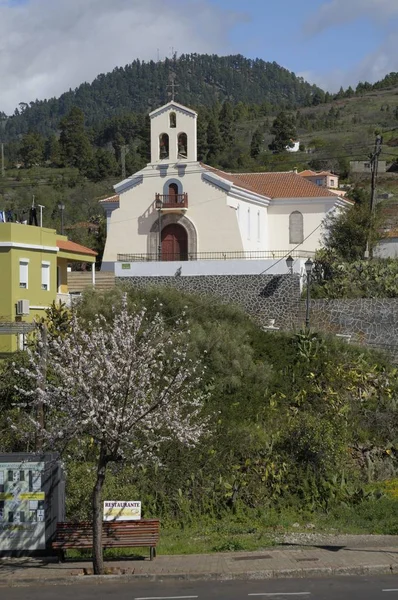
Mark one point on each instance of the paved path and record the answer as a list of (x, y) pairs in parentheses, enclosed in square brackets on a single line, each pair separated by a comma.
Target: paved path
[(308, 560), (346, 588)]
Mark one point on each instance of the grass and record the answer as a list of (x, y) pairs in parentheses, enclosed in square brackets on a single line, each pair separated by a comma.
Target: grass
[(254, 531)]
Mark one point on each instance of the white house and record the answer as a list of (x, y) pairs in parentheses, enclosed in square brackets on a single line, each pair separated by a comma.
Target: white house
[(204, 213)]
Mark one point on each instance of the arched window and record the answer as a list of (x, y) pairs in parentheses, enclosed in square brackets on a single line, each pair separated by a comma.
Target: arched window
[(163, 146), (173, 120), (173, 190), (182, 145), (248, 224), (296, 228)]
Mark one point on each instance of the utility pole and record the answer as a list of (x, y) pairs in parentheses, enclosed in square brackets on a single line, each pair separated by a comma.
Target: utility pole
[(123, 161), (43, 349), (374, 163)]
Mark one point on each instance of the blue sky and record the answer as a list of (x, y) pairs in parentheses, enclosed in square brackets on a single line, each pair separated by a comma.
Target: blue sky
[(49, 46), (318, 38)]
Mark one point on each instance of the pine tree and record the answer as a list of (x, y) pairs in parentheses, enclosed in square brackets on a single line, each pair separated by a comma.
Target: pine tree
[(284, 130), (214, 140), (76, 150), (227, 124), (256, 143), (31, 150)]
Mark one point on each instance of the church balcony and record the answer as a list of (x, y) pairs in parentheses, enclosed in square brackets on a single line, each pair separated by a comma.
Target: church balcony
[(167, 202)]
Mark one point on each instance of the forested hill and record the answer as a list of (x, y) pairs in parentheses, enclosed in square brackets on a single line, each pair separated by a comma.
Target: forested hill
[(202, 80)]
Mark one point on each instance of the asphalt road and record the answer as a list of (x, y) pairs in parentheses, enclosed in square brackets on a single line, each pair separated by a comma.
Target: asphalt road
[(347, 588)]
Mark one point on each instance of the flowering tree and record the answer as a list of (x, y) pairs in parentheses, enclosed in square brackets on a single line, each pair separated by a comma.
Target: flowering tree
[(123, 387)]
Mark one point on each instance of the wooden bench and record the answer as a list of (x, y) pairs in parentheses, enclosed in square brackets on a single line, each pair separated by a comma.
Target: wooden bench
[(115, 534)]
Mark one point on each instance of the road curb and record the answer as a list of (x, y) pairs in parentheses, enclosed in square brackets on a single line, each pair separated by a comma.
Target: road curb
[(243, 576)]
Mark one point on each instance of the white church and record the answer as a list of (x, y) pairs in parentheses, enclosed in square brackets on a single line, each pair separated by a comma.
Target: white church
[(180, 214)]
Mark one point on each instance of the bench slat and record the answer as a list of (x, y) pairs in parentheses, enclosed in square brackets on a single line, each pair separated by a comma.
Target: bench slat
[(143, 533)]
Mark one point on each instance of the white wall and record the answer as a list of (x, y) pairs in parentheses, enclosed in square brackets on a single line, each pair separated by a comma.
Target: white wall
[(313, 211), (209, 210), (253, 225), (206, 267), (160, 123), (387, 248)]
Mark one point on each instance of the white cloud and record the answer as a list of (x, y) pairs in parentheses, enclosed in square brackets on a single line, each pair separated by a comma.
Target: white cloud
[(376, 64), (48, 46), (337, 12)]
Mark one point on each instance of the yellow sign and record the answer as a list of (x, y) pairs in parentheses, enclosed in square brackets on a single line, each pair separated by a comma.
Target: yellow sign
[(32, 496), (122, 510), (5, 496)]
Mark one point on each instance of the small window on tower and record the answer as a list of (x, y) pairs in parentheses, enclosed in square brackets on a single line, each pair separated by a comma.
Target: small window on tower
[(163, 146), (182, 145), (173, 120)]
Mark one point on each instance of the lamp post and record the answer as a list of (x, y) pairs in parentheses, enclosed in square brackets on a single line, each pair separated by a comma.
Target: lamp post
[(308, 269), (61, 207), (159, 204), (289, 264)]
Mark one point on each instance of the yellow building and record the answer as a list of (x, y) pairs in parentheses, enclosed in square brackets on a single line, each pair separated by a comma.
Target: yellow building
[(33, 274)]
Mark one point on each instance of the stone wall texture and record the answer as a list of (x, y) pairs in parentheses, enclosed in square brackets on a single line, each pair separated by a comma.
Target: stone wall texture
[(372, 322), (369, 321), (264, 297)]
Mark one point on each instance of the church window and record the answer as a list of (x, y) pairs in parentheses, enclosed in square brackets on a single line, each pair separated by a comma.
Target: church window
[(248, 224), (296, 228), (173, 120), (182, 145), (163, 146)]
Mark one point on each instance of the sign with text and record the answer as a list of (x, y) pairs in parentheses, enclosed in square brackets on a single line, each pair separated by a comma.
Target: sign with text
[(22, 506), (122, 510)]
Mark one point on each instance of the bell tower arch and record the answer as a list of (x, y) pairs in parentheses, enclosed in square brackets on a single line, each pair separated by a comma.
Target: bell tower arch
[(173, 134)]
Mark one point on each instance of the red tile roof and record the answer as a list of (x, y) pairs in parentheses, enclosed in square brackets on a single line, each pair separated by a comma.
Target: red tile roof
[(68, 246), (275, 185), (309, 173), (110, 199)]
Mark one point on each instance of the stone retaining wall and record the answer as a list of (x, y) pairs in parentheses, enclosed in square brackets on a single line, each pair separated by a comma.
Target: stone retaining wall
[(264, 297)]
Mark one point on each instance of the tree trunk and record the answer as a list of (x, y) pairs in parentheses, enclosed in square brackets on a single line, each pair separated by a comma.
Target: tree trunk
[(98, 558)]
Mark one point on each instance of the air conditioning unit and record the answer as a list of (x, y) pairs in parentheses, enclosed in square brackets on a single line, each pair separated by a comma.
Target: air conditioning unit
[(23, 307)]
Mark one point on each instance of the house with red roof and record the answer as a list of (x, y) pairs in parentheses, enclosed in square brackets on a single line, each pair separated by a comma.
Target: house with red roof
[(178, 214), (322, 178)]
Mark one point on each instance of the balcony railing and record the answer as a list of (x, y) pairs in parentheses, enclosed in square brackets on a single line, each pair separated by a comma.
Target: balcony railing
[(239, 255), (176, 201)]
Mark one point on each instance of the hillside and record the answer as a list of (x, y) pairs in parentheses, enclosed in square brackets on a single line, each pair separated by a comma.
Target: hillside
[(202, 80), (81, 167)]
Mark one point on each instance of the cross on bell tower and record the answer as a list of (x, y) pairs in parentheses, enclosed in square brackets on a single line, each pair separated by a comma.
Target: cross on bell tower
[(173, 85)]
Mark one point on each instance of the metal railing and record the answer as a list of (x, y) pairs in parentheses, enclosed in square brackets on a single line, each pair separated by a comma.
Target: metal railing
[(238, 255), (173, 201)]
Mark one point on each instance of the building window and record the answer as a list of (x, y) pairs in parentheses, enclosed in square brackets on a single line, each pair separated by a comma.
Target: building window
[(163, 146), (23, 273), (319, 181), (258, 226), (22, 345), (182, 145), (45, 276), (248, 223), (332, 182), (173, 120), (296, 228)]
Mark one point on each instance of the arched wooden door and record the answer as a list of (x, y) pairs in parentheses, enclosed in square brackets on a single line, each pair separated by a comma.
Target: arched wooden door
[(174, 242)]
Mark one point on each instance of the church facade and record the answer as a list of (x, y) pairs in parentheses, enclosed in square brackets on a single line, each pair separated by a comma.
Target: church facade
[(178, 209)]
